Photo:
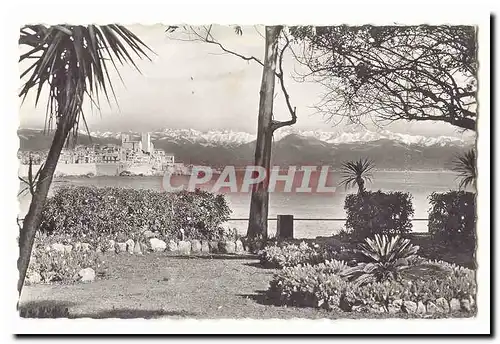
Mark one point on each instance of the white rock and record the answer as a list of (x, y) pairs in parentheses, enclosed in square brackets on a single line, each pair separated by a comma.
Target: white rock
[(158, 245), (420, 308), (205, 248), (68, 248), (130, 246), (120, 247), (229, 247), (137, 248), (454, 305), (432, 308), (184, 247), (111, 246), (172, 246), (239, 247), (195, 246), (410, 307), (443, 305), (87, 275)]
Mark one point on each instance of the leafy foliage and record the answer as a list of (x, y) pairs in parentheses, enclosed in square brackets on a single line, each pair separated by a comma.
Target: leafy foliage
[(308, 286), (386, 258), (54, 266), (291, 255), (465, 166), (92, 212), (393, 72), (452, 216), (72, 61), (356, 172), (378, 213), (322, 286)]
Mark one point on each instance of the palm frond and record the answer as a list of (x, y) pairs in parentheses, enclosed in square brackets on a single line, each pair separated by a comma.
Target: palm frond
[(352, 171), (72, 61), (465, 166)]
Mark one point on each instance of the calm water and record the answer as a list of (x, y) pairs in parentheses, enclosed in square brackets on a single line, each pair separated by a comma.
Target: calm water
[(419, 183)]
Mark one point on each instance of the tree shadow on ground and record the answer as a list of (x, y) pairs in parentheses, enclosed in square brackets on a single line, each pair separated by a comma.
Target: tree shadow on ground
[(131, 313), (217, 256), (261, 298), (45, 309), (61, 309), (260, 265)]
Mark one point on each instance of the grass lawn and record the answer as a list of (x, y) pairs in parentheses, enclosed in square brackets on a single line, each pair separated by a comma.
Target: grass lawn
[(159, 285)]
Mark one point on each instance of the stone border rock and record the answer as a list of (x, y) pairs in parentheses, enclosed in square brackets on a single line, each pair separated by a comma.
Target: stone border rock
[(438, 306)]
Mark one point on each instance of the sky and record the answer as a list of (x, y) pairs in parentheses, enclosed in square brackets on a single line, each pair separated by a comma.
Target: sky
[(195, 85)]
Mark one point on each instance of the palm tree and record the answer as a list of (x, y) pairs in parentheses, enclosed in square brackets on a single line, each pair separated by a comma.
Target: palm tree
[(72, 61), (356, 173), (465, 166)]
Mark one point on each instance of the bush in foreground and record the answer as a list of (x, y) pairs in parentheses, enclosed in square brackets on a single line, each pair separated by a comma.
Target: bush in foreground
[(309, 285), (378, 213), (48, 265), (321, 286), (284, 255), (452, 217), (90, 212)]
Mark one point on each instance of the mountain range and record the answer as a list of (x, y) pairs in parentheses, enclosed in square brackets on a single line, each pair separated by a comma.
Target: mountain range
[(291, 147)]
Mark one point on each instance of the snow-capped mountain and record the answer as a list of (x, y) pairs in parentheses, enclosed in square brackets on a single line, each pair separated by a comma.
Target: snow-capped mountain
[(230, 138), (291, 147)]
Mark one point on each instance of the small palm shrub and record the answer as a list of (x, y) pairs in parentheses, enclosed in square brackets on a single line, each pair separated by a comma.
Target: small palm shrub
[(276, 256), (386, 259), (356, 173), (465, 166)]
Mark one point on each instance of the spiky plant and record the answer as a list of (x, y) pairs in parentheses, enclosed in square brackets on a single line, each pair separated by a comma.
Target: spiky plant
[(356, 173), (72, 62), (387, 258), (465, 166)]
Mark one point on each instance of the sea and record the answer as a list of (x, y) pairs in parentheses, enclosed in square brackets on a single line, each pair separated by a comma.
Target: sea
[(312, 210)]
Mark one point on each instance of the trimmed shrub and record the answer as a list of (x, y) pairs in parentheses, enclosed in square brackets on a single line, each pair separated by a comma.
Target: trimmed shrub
[(90, 212), (378, 213), (276, 256), (452, 216), (54, 266)]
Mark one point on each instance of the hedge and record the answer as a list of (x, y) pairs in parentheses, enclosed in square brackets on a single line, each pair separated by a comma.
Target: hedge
[(378, 213), (452, 216), (86, 212)]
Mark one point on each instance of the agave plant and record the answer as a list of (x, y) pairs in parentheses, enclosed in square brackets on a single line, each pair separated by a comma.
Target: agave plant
[(387, 258), (465, 166), (356, 173)]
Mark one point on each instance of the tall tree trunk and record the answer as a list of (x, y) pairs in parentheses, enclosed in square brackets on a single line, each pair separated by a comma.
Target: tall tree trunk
[(33, 218), (361, 185), (257, 224)]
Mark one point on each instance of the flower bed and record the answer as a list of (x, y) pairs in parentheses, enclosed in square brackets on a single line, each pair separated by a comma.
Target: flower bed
[(393, 280), (285, 255), (52, 261)]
